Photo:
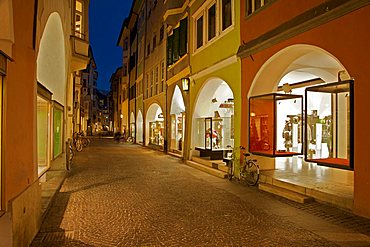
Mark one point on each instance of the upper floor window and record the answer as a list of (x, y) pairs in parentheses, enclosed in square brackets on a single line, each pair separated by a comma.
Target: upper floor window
[(177, 42), (79, 19), (211, 20), (199, 32), (154, 42), (254, 5), (226, 14), (161, 33)]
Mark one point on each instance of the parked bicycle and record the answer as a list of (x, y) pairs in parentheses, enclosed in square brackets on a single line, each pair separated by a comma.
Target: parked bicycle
[(69, 154), (249, 171), (77, 142), (229, 157), (84, 139)]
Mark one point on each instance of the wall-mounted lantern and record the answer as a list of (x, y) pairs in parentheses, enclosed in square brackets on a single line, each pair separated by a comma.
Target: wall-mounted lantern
[(185, 84)]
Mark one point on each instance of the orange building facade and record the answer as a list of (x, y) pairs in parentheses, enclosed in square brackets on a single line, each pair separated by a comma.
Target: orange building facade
[(301, 44), (40, 51)]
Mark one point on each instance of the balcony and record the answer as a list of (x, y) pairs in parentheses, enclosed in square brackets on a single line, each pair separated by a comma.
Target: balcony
[(80, 53), (174, 10)]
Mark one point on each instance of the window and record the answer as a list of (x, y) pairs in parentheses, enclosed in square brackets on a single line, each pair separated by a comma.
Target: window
[(199, 32), (162, 76), (148, 50), (125, 69), (154, 42), (156, 79), (79, 19), (151, 83), (212, 22), (177, 42), (226, 14), (254, 5), (161, 33)]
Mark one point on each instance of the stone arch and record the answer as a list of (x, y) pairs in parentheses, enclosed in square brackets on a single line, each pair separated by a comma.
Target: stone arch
[(51, 60)]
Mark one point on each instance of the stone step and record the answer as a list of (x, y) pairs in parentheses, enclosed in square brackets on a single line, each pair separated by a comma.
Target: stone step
[(288, 194), (216, 164), (319, 194), (206, 169)]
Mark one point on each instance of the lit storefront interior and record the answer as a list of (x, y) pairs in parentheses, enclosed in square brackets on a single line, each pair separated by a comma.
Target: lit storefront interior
[(139, 127), (155, 126), (43, 133), (306, 77), (132, 125), (213, 120), (177, 114)]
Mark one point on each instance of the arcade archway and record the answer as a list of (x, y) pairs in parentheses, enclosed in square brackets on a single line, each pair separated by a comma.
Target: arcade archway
[(51, 97), (177, 115), (213, 119), (154, 126)]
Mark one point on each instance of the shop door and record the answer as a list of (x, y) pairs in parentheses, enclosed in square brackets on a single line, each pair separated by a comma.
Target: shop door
[(57, 131)]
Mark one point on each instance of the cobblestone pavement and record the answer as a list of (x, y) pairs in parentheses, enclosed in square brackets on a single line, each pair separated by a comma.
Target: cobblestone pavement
[(127, 195)]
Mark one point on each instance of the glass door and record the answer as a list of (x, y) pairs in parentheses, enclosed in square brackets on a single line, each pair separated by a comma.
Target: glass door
[(57, 130)]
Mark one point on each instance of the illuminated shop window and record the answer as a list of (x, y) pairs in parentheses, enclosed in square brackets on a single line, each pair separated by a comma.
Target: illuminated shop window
[(329, 124), (43, 134), (275, 124)]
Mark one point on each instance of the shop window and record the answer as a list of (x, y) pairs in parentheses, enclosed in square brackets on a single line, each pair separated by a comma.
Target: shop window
[(212, 22), (254, 5), (43, 134), (156, 131), (329, 124), (275, 124), (57, 129), (1, 125), (199, 32), (226, 14)]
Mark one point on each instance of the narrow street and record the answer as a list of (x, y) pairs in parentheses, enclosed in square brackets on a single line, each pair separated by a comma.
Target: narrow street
[(127, 195)]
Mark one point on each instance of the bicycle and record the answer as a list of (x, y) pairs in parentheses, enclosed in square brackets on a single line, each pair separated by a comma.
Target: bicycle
[(249, 171), (130, 139), (229, 160), (69, 154), (77, 142), (85, 141)]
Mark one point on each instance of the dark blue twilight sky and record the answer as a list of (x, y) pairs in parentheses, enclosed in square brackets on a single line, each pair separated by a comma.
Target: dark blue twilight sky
[(105, 21)]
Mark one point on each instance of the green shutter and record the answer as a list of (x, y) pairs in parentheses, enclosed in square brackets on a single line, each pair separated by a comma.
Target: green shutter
[(176, 44), (183, 36), (169, 50)]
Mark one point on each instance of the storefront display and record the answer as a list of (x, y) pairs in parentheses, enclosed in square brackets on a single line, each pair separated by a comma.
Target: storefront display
[(275, 124), (329, 118), (156, 133), (177, 124), (214, 133), (43, 130)]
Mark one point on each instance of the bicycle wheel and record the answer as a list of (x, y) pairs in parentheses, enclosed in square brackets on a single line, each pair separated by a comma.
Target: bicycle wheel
[(84, 141), (252, 173), (230, 169), (79, 145)]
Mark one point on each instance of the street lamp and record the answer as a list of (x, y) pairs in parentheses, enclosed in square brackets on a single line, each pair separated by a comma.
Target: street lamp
[(185, 84), (121, 116)]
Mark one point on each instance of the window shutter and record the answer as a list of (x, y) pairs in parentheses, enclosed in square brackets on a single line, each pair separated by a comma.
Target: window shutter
[(169, 50), (176, 44), (183, 37)]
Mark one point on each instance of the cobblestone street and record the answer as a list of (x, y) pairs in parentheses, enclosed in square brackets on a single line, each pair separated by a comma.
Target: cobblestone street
[(127, 195)]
